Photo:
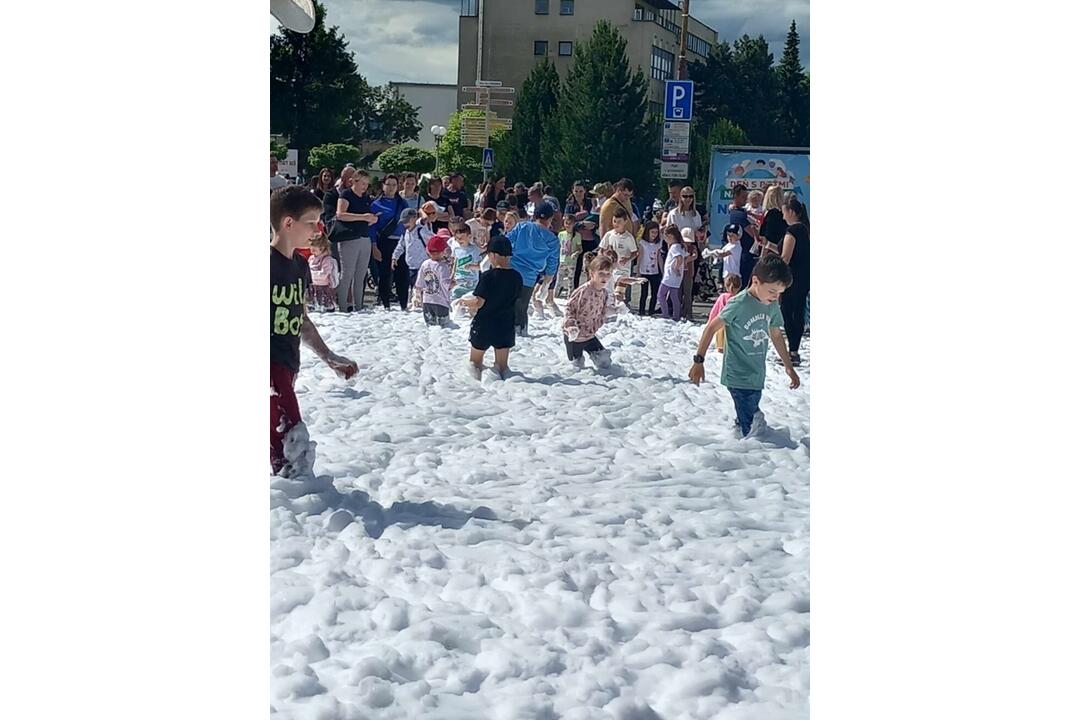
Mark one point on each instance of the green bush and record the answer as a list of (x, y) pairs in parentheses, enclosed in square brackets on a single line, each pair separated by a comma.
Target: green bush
[(334, 156), (406, 158)]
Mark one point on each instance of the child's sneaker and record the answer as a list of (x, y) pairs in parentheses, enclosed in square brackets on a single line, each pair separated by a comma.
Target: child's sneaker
[(578, 363)]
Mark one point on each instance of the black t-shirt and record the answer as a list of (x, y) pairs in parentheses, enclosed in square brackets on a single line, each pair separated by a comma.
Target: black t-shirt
[(289, 280), (359, 204), (500, 288), (329, 206), (800, 256), (773, 227), (457, 200)]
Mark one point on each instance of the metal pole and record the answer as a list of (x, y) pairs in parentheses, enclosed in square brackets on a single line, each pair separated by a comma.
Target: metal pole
[(682, 39), (479, 41)]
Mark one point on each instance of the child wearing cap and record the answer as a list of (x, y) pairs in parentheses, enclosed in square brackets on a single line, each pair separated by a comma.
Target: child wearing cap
[(434, 280), (493, 302), (413, 246)]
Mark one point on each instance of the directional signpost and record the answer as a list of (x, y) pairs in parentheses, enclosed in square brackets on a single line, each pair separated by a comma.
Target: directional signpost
[(476, 131), (675, 141)]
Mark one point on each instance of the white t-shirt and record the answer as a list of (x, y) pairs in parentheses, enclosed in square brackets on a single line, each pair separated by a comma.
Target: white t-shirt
[(690, 220), (731, 262), (649, 259), (673, 277), (624, 246), (276, 181)]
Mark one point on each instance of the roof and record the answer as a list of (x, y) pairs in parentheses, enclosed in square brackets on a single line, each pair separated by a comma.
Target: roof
[(423, 84), (662, 4)]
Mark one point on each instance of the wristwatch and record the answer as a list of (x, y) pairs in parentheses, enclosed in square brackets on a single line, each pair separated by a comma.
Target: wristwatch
[(699, 359)]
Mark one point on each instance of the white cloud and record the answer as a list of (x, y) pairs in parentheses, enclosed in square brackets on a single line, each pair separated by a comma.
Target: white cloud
[(416, 40)]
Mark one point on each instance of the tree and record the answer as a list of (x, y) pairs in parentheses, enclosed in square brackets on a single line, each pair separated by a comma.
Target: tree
[(793, 94), (519, 155), (705, 137), (384, 116), (455, 157), (403, 158), (314, 85), (317, 96), (333, 155), (603, 127), (277, 149)]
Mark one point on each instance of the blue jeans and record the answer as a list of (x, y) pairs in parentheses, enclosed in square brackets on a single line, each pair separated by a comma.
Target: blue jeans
[(746, 404)]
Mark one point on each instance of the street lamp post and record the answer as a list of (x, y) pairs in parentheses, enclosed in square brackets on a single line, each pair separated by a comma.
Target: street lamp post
[(438, 131)]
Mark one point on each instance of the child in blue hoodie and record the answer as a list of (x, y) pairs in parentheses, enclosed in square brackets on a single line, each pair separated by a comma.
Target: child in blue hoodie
[(535, 257)]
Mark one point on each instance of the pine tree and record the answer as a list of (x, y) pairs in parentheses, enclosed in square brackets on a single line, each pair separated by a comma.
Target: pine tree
[(519, 155), (604, 131), (793, 94)]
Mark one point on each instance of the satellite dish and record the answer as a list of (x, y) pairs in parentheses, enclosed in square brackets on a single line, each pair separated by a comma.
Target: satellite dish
[(295, 15)]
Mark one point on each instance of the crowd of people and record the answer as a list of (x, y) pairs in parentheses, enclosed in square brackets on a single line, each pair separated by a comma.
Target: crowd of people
[(498, 255)]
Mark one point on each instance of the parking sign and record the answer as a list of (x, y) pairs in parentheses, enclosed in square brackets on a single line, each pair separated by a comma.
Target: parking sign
[(678, 99)]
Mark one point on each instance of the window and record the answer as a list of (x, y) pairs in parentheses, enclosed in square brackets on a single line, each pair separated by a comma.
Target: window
[(566, 49), (663, 63), (540, 47), (566, 7), (469, 8), (697, 45), (541, 7), (644, 14)]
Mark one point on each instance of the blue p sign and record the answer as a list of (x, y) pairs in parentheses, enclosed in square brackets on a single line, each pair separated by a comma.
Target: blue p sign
[(678, 100)]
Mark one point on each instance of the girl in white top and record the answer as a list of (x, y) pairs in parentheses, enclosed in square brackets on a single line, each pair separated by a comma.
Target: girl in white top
[(671, 283)]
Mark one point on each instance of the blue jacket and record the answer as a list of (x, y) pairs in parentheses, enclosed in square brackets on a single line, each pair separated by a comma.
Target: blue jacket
[(388, 209), (536, 252)]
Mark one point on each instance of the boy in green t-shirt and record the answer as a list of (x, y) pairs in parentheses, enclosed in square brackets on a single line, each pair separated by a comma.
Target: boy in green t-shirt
[(750, 319)]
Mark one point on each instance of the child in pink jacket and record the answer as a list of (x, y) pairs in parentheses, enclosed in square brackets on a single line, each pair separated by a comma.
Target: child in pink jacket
[(585, 315), (322, 294)]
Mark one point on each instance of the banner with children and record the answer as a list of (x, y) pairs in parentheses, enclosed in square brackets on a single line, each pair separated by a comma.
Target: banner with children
[(757, 169)]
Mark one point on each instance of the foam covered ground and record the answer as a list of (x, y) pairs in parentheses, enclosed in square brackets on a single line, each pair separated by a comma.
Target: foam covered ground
[(575, 544)]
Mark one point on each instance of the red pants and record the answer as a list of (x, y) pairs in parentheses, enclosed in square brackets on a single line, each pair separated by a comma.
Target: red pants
[(284, 412)]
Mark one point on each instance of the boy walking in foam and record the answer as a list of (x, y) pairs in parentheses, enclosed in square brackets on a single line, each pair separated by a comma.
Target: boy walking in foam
[(493, 304), (435, 282), (622, 243), (466, 261), (585, 315), (294, 216), (413, 246), (751, 318)]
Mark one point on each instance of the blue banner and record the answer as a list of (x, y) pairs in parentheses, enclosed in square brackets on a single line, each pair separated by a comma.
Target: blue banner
[(757, 170)]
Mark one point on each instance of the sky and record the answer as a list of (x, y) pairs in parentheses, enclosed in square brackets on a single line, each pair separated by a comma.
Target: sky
[(416, 40)]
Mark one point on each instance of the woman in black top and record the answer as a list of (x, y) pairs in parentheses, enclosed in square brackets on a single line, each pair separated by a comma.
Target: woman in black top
[(578, 203), (495, 194), (796, 253), (773, 225)]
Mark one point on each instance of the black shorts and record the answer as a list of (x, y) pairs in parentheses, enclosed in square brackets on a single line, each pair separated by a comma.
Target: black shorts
[(483, 336)]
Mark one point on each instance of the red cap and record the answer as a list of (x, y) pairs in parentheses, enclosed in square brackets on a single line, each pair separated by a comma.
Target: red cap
[(437, 243)]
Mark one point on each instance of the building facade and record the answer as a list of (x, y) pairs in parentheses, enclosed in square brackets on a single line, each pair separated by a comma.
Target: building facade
[(435, 104), (517, 34)]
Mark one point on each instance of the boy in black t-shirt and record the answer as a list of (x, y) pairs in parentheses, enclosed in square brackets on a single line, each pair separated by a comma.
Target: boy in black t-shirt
[(294, 216), (493, 302)]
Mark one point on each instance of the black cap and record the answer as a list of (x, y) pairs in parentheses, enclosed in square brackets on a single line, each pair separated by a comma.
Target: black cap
[(543, 210), (734, 229), (500, 245), (502, 206)]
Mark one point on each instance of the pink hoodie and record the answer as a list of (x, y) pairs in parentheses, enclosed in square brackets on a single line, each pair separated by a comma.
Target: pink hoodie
[(324, 270)]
